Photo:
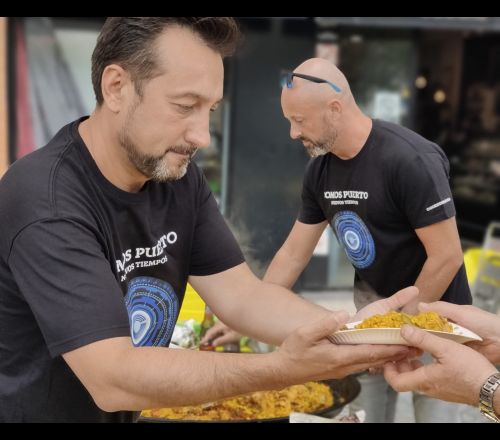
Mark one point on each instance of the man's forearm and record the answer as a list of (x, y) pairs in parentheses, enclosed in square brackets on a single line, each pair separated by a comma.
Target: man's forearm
[(152, 377), (435, 277), (280, 312), (284, 270)]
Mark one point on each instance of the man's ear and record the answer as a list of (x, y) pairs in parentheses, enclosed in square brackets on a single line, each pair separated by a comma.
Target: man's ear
[(115, 85), (335, 108)]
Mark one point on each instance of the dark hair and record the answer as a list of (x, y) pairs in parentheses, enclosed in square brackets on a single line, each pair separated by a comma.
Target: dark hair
[(129, 42)]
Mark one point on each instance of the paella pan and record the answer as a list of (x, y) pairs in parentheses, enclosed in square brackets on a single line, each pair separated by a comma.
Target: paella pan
[(342, 392)]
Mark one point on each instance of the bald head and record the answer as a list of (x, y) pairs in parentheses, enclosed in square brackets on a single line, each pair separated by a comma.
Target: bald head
[(322, 92), (306, 93), (324, 69), (319, 113)]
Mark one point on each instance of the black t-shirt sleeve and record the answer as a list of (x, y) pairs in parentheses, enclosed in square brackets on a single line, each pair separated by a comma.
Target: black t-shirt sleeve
[(311, 212), (423, 191), (214, 247), (63, 275)]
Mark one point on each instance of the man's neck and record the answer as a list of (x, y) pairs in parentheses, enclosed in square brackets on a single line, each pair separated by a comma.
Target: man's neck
[(353, 138), (109, 156)]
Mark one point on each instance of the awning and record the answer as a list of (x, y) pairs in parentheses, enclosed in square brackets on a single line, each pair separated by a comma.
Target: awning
[(444, 23)]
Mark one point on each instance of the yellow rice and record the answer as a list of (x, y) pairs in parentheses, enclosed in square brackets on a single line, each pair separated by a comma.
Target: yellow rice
[(425, 320), (309, 398)]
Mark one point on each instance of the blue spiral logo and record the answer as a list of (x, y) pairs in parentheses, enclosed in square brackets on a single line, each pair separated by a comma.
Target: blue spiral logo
[(152, 307), (355, 238)]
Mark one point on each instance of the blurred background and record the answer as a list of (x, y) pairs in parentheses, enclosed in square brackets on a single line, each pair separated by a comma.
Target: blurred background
[(439, 76)]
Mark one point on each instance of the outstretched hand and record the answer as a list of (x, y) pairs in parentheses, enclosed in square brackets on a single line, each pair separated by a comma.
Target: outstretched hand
[(456, 375), (308, 355), (485, 324)]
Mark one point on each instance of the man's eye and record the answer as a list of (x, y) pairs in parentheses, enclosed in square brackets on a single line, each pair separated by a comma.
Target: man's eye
[(184, 108)]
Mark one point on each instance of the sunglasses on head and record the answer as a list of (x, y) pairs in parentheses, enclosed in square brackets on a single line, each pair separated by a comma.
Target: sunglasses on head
[(287, 80)]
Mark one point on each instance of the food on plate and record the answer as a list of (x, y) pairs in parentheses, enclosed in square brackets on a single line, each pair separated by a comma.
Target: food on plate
[(393, 319), (307, 398)]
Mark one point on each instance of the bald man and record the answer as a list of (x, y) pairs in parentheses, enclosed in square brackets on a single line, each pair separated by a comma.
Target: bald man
[(384, 191)]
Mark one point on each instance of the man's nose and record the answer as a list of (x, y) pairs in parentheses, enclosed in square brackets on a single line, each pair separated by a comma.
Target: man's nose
[(199, 135), (294, 133)]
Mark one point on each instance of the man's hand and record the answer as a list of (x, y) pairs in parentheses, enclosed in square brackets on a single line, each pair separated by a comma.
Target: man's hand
[(220, 334), (456, 375), (394, 302), (411, 308), (486, 325), (307, 355)]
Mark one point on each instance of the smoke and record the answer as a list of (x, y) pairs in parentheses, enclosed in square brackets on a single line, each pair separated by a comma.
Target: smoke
[(245, 240)]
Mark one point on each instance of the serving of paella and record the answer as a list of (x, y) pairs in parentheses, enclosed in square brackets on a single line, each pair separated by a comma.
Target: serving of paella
[(386, 329)]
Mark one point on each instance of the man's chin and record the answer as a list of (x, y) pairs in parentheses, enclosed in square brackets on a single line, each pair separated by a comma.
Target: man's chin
[(316, 152), (170, 175)]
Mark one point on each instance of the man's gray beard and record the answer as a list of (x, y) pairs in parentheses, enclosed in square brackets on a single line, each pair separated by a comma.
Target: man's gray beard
[(324, 147), (153, 167), (317, 150)]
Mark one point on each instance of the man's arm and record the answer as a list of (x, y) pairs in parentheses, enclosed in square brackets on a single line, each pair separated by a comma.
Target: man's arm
[(444, 259), (264, 311), (119, 376), (293, 256)]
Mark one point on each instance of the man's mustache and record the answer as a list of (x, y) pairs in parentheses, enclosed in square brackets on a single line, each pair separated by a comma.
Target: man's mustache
[(188, 151)]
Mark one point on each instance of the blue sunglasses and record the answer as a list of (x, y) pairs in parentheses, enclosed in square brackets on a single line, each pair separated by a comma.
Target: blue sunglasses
[(287, 80)]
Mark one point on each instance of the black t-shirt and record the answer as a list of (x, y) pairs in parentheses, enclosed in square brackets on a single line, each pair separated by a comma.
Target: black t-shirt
[(374, 202), (82, 261)]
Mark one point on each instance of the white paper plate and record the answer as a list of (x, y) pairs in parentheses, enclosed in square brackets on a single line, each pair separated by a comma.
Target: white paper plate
[(392, 336)]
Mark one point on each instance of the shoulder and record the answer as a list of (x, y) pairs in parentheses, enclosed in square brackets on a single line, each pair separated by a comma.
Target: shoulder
[(402, 145), (28, 178), (27, 188)]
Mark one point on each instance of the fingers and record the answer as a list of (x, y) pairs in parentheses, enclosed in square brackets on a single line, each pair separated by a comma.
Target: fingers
[(372, 355), (419, 338), (209, 335), (324, 327), (407, 365), (218, 329), (227, 338), (414, 352), (401, 298), (404, 376), (415, 363)]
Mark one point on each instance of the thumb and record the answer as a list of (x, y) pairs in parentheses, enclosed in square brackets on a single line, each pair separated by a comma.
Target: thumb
[(326, 326), (419, 338), (452, 311), (402, 297)]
